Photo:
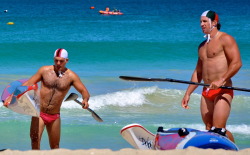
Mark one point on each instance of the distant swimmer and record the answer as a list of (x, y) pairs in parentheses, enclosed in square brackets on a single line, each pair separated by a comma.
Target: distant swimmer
[(5, 11)]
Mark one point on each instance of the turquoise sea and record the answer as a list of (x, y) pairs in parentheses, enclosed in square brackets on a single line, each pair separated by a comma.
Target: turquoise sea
[(154, 38)]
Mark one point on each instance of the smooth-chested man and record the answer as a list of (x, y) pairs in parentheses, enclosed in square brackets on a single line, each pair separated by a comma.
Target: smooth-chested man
[(218, 61), (56, 81)]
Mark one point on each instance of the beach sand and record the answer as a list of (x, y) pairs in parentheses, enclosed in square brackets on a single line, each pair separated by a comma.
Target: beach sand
[(188, 151)]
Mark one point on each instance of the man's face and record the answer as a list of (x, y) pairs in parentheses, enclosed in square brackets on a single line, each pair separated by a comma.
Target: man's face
[(60, 62), (205, 25)]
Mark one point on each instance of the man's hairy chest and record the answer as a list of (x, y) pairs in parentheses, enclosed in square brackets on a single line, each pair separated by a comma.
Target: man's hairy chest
[(51, 80)]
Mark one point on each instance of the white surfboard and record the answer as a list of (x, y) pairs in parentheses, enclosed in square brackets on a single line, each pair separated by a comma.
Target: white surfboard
[(139, 137), (26, 104)]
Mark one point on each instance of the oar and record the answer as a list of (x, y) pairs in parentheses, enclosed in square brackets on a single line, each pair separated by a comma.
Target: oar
[(74, 97), (131, 78)]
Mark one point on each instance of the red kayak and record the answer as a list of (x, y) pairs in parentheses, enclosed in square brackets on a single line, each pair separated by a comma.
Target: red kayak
[(110, 12)]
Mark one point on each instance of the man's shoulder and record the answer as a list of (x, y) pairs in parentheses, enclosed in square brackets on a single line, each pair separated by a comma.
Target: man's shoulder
[(47, 67), (71, 73), (225, 35), (226, 38), (202, 43), (44, 68)]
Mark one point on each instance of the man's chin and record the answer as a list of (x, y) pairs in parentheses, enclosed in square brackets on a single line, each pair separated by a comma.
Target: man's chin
[(58, 68), (205, 32)]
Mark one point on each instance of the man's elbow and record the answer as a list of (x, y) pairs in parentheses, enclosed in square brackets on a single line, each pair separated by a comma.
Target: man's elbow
[(239, 64), (85, 93)]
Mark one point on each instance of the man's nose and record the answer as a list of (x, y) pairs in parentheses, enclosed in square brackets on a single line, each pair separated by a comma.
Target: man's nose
[(58, 62)]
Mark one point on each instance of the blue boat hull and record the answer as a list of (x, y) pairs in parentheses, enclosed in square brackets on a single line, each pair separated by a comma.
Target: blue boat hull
[(171, 139)]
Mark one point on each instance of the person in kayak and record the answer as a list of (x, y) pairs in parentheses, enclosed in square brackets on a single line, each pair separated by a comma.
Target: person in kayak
[(218, 61)]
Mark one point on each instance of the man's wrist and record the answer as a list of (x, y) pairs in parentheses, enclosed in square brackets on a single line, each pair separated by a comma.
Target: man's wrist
[(223, 80)]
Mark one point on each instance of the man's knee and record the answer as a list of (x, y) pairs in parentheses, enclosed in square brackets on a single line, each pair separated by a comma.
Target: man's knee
[(34, 137)]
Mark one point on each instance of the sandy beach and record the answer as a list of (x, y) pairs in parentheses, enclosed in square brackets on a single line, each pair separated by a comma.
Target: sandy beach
[(188, 151)]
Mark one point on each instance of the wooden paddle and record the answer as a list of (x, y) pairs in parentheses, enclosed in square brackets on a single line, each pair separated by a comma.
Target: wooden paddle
[(131, 78), (74, 96)]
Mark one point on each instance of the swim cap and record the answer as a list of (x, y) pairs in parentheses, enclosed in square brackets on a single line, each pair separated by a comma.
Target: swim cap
[(211, 15), (60, 52)]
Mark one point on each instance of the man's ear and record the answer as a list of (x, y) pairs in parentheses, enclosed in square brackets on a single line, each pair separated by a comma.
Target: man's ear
[(214, 23)]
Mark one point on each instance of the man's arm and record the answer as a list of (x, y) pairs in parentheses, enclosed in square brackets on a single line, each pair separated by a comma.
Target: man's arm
[(196, 77), (79, 86), (35, 78), (232, 54)]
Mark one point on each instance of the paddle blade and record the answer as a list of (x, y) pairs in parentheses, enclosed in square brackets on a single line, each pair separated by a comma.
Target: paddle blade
[(95, 116), (131, 78), (74, 96), (71, 97)]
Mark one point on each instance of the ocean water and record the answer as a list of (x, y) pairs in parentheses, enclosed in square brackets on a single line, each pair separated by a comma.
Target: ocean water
[(154, 38)]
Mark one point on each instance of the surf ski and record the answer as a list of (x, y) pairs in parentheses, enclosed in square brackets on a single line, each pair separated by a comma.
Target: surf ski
[(174, 138)]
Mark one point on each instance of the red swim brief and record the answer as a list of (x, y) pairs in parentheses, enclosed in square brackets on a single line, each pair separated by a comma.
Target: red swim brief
[(211, 94), (49, 118)]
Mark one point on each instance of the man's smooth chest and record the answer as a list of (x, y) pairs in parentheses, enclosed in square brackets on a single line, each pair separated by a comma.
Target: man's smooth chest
[(210, 50)]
